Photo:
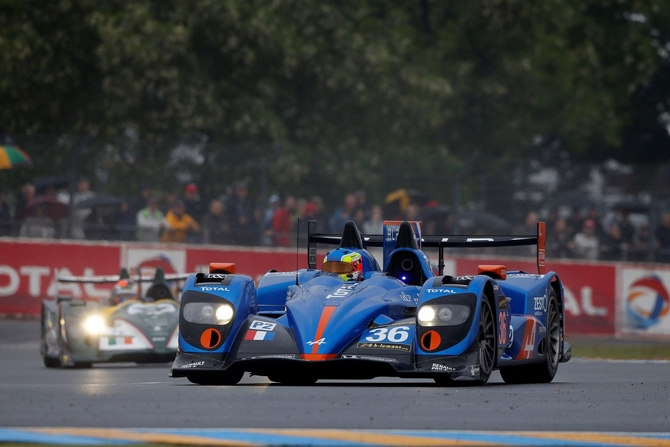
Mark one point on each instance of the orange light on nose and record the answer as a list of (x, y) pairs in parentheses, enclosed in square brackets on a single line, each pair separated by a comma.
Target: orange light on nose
[(210, 339), (430, 341)]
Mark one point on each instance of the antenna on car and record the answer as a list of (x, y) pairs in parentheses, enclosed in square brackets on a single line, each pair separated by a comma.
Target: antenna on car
[(297, 254), (541, 247), (140, 285), (311, 245)]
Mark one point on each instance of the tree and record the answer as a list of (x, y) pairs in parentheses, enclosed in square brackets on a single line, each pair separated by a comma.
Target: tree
[(366, 94)]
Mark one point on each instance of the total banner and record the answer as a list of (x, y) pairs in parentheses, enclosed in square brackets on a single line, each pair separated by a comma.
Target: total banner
[(589, 291), (600, 298), (28, 269), (644, 300)]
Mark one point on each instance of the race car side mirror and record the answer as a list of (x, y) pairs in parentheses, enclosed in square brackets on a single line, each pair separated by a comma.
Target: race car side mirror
[(222, 267), (494, 271)]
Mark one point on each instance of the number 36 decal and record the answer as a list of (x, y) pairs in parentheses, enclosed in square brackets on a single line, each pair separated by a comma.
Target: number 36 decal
[(395, 334)]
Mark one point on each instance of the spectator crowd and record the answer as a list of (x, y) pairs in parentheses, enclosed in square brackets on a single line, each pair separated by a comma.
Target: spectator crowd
[(234, 219), (585, 236)]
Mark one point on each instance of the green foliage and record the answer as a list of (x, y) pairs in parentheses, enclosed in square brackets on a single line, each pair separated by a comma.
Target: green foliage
[(49, 71), (603, 348), (367, 94)]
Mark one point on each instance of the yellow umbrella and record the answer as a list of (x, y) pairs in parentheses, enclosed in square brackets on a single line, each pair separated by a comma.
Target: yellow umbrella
[(401, 196), (11, 156)]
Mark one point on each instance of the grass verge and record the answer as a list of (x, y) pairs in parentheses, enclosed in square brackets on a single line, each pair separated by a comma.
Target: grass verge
[(620, 349)]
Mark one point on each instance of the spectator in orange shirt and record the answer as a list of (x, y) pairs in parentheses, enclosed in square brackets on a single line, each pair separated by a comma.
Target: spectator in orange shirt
[(180, 224)]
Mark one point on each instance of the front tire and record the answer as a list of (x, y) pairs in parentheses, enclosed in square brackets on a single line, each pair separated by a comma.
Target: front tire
[(487, 342), (82, 365), (542, 372), (64, 358), (51, 362)]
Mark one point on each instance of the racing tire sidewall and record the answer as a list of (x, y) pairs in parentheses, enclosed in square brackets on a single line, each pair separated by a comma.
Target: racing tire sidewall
[(487, 345), (541, 372), (553, 338), (49, 361)]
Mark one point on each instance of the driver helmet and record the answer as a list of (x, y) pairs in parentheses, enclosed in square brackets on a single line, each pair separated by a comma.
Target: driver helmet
[(124, 290), (345, 263)]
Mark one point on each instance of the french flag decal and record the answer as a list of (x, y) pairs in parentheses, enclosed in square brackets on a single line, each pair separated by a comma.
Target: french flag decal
[(259, 335)]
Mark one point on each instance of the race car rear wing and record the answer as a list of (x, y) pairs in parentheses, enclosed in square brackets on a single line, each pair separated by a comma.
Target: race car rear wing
[(111, 279), (439, 242), (159, 282)]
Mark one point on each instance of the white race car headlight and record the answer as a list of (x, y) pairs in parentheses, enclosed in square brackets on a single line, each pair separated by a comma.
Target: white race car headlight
[(443, 314), (208, 313), (224, 314), (426, 314), (94, 325)]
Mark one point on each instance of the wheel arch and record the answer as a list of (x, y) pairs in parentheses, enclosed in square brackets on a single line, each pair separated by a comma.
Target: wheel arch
[(557, 286), (488, 349), (489, 295)]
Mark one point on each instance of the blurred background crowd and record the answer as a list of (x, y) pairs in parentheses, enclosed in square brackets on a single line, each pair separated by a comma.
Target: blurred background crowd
[(576, 229)]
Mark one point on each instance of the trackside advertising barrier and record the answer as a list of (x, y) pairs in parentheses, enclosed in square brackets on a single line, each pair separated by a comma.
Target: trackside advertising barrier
[(28, 269), (606, 299), (644, 300), (623, 300), (590, 291)]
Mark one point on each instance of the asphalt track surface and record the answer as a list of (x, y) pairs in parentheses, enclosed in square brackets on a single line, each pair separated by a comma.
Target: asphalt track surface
[(631, 399)]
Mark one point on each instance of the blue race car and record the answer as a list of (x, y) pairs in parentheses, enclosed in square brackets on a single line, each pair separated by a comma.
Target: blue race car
[(355, 320)]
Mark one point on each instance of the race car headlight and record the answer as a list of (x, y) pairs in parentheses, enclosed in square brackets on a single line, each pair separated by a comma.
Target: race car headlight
[(443, 314), (426, 314), (94, 325), (208, 313), (224, 314)]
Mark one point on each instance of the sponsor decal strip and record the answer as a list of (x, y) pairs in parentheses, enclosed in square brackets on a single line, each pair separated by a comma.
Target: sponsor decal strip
[(325, 437), (528, 344), (323, 321), (259, 335)]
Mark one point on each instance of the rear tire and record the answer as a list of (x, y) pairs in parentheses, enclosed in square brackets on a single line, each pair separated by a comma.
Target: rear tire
[(216, 378), (542, 372)]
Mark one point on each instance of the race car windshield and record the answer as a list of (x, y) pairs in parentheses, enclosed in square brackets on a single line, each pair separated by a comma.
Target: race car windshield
[(126, 295), (337, 267)]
